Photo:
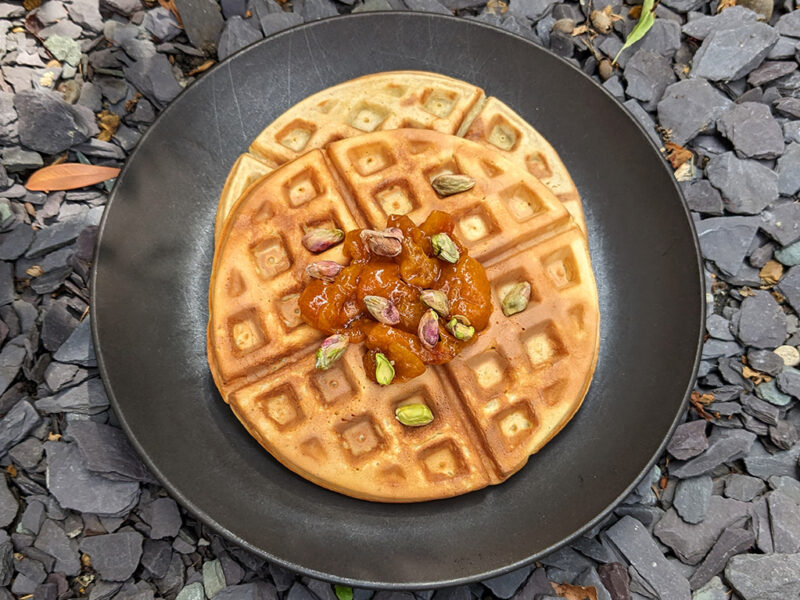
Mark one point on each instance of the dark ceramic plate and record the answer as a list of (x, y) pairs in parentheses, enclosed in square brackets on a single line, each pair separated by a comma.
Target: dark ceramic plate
[(150, 293)]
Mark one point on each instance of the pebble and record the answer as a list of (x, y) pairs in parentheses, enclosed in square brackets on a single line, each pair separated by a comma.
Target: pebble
[(747, 186), (789, 355), (729, 54), (752, 130), (689, 107)]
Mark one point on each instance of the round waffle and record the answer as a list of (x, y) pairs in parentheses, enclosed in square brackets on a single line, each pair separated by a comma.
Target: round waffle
[(496, 404), (394, 100)]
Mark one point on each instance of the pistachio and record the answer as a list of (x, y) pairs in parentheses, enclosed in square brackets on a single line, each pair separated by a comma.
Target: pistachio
[(428, 330), (382, 309), (413, 415), (331, 350), (388, 242), (517, 298), (322, 238), (460, 327), (436, 300), (444, 247), (327, 270), (449, 184), (384, 370)]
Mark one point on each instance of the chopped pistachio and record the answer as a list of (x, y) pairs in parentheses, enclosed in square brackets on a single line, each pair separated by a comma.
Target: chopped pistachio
[(449, 184), (428, 330), (414, 415), (460, 327), (517, 298), (384, 370), (382, 309), (331, 350), (322, 238), (327, 270), (444, 247), (437, 300)]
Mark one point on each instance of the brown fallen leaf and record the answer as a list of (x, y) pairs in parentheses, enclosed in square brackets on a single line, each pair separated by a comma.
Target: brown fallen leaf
[(755, 376), (723, 4), (130, 105), (204, 67), (771, 273), (496, 7), (699, 403), (108, 123), (170, 6), (29, 5), (635, 12), (68, 176), (575, 592), (677, 155), (12, 470)]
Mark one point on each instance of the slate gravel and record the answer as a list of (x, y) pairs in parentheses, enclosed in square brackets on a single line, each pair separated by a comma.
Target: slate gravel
[(717, 518)]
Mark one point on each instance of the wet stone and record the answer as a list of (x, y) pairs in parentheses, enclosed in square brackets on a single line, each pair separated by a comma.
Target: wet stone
[(723, 446), (692, 497), (238, 34), (75, 487), (764, 577), (702, 197), (733, 541), (115, 556), (163, 517), (747, 186), (17, 424), (54, 541), (730, 54), (743, 487), (504, 586), (752, 130), (689, 107), (640, 549), (788, 170), (726, 240)]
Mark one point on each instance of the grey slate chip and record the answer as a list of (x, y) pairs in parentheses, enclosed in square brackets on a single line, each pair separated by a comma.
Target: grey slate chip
[(154, 78), (692, 497), (644, 119), (256, 590), (54, 541), (55, 236), (8, 504), (27, 453), (15, 242), (86, 13), (17, 424), (761, 463), (730, 18), (640, 549), (57, 325), (156, 556), (648, 74), (726, 240), (7, 293), (786, 485), (747, 186), (615, 579), (692, 542), (32, 517), (6, 560), (282, 577), (272, 23), (504, 586), (202, 21), (769, 391), (161, 23), (733, 541), (79, 348), (48, 124), (161, 514), (762, 323), (743, 487), (75, 487), (730, 54), (590, 578), (689, 107), (115, 556), (789, 286), (723, 446), (788, 106), (313, 10), (88, 398), (238, 34), (789, 24), (784, 514), (783, 434), (752, 130), (782, 221), (765, 577), (702, 197), (788, 170), (769, 71), (106, 450)]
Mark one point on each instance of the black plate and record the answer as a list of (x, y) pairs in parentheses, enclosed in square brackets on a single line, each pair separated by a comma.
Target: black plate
[(150, 310)]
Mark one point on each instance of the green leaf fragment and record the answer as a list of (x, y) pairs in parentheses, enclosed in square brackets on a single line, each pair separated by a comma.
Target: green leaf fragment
[(343, 592), (646, 20)]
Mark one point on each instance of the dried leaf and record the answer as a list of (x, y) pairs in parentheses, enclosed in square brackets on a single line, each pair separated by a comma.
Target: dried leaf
[(130, 105), (170, 6), (496, 7), (723, 4), (746, 291), (575, 592), (108, 123), (612, 15), (699, 402), (69, 176), (31, 4), (204, 67), (12, 470), (771, 273), (646, 21), (635, 12), (677, 155), (34, 271), (579, 30), (755, 376)]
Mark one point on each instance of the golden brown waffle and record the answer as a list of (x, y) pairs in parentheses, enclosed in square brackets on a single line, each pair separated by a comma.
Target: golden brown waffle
[(497, 403), (393, 100)]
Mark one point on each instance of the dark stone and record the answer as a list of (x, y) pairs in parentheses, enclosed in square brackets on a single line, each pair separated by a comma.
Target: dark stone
[(783, 434), (747, 186), (86, 13), (57, 325), (788, 170), (730, 54), (50, 125), (648, 74), (733, 541), (784, 514), (156, 555), (234, 574), (161, 514), (633, 540), (233, 8), (55, 236), (238, 34), (27, 453), (17, 424), (33, 517), (427, 6), (153, 76), (752, 130), (723, 446), (616, 580), (789, 286), (75, 487), (7, 293), (115, 556), (504, 586), (89, 398), (763, 411), (256, 590), (743, 487), (78, 349), (313, 10), (730, 18), (761, 463), (8, 504), (770, 577), (769, 71), (6, 560), (702, 197), (202, 22), (15, 242), (782, 222), (106, 449), (689, 107), (283, 578), (762, 323), (788, 106), (692, 497), (789, 24), (163, 26), (54, 541), (644, 119), (726, 240), (768, 391), (275, 22)]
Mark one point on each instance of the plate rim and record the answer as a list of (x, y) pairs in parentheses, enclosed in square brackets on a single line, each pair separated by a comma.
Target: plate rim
[(221, 530)]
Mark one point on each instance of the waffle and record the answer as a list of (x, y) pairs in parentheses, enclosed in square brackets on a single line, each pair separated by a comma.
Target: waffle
[(394, 100), (496, 404)]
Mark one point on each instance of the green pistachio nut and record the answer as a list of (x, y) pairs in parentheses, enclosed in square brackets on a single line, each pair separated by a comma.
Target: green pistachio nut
[(437, 300), (414, 415), (444, 247), (331, 350), (460, 327), (384, 370), (449, 184), (321, 238), (517, 298)]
